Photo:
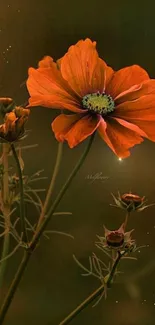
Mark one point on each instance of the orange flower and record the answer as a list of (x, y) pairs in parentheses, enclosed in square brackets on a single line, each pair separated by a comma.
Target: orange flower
[(120, 105), (13, 127)]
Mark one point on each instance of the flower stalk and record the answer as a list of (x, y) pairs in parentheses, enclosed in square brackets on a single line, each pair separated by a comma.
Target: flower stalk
[(6, 212), (21, 190), (28, 252), (52, 183), (126, 219), (94, 295), (61, 194)]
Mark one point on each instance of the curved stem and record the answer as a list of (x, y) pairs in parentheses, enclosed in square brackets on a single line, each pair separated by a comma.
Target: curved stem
[(29, 251), (126, 219), (21, 190), (112, 273), (6, 244), (6, 212), (93, 296), (61, 193), (52, 183)]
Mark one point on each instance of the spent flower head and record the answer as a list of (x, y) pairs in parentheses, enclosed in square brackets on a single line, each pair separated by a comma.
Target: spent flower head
[(130, 202), (117, 239)]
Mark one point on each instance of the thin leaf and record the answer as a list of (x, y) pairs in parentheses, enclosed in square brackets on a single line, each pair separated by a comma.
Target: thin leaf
[(61, 213), (27, 147), (129, 258), (35, 190), (58, 233), (36, 179), (96, 264), (103, 250), (84, 268), (38, 198)]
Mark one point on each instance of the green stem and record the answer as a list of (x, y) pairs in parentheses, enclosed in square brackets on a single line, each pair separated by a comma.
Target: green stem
[(61, 193), (112, 273), (52, 183), (126, 219), (21, 190), (5, 249), (32, 246), (6, 212), (93, 296), (14, 286)]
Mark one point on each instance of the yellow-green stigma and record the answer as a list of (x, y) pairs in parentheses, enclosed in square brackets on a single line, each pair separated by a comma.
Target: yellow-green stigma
[(98, 103)]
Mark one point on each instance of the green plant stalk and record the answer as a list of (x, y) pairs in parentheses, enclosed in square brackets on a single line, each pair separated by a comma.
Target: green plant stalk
[(126, 219), (6, 212), (52, 184), (94, 295), (29, 251), (22, 203), (61, 193)]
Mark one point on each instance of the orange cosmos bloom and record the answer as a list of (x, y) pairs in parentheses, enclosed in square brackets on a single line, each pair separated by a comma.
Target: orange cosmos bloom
[(120, 105)]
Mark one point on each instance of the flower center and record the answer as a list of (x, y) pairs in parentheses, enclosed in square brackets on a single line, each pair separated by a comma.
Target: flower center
[(98, 103), (115, 239)]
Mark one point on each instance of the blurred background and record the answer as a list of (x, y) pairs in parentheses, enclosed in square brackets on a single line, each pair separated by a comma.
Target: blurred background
[(52, 285)]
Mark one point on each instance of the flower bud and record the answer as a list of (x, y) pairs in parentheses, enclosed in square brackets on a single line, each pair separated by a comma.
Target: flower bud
[(130, 202), (6, 105), (117, 239), (13, 128)]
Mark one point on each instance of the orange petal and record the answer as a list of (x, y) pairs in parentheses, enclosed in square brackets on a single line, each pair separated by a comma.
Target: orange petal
[(140, 112), (147, 127), (54, 101), (47, 84), (2, 130), (101, 77), (130, 126), (143, 108), (118, 137), (86, 126), (62, 124), (74, 130), (146, 88), (46, 62), (126, 78), (109, 72), (48, 81), (10, 119), (82, 68), (21, 112)]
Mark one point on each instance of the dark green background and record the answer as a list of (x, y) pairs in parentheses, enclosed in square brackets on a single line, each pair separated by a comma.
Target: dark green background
[(53, 285)]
